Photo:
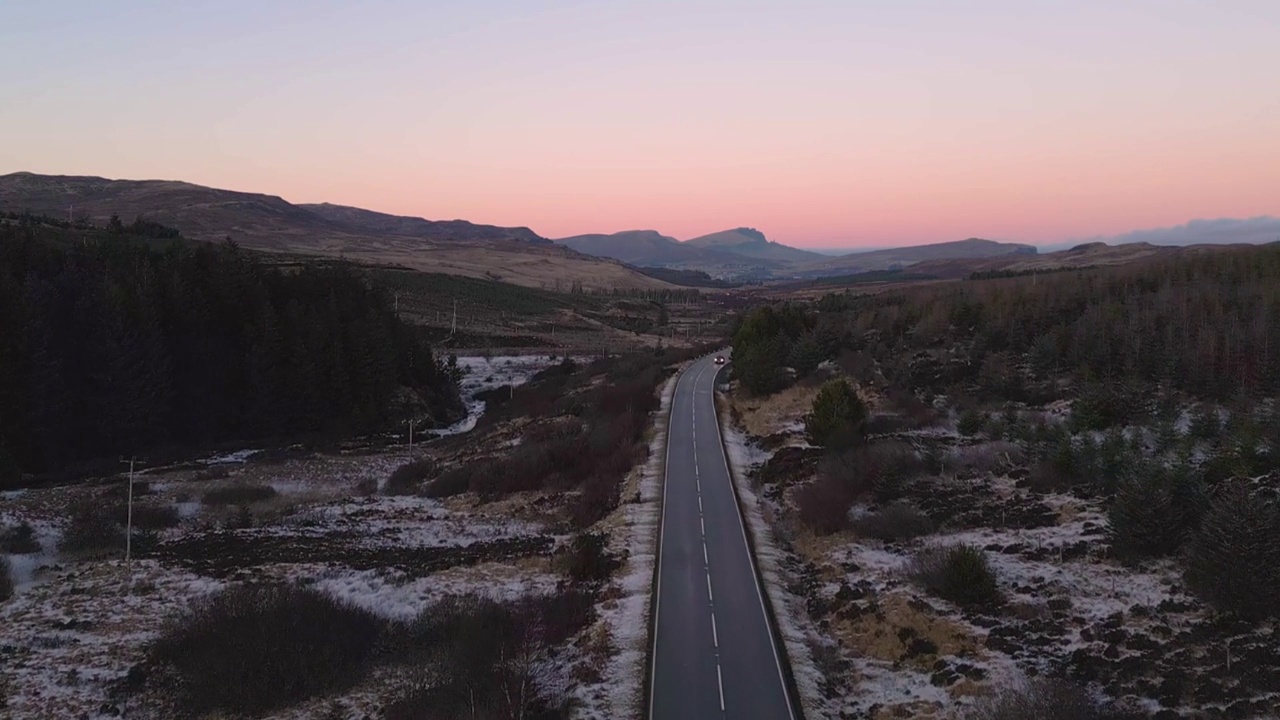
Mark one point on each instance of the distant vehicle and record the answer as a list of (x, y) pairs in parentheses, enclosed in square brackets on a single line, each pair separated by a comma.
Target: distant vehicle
[(719, 360)]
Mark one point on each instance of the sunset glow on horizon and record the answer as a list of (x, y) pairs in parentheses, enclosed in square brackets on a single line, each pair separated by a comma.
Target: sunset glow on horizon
[(823, 123)]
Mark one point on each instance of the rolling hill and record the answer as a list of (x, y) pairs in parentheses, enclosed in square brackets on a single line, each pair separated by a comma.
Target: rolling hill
[(751, 243), (896, 258), (268, 222)]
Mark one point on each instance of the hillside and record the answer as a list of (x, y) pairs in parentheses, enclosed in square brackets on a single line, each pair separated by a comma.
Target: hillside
[(639, 247), (361, 220), (749, 242), (268, 222), (971, 249)]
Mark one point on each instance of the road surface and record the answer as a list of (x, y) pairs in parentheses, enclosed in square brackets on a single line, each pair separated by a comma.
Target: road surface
[(713, 654)]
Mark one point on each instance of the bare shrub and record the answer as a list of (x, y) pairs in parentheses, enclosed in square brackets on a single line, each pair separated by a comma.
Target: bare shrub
[(151, 516), (589, 560), (482, 655), (239, 494), (823, 505), (896, 522), (879, 469), (1042, 699), (959, 573), (405, 479), (19, 540), (253, 649), (985, 457), (94, 529), (457, 480)]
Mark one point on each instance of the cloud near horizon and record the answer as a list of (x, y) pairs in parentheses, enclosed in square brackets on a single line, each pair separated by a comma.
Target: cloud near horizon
[(1218, 231)]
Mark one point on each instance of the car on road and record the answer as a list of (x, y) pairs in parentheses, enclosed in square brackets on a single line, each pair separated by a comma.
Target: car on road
[(719, 359)]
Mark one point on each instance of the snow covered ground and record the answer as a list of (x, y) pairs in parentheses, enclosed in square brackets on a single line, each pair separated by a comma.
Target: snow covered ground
[(881, 647), (76, 626), (487, 373)]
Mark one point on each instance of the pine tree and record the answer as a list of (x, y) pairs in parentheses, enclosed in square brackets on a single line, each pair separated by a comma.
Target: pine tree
[(837, 416), (1233, 561)]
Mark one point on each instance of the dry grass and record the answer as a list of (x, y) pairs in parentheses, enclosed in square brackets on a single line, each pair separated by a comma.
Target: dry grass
[(880, 635), (766, 416)]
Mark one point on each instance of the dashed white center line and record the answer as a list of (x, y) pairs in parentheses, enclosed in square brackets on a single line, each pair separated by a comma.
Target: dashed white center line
[(715, 638), (720, 684), (709, 596), (703, 525), (705, 562)]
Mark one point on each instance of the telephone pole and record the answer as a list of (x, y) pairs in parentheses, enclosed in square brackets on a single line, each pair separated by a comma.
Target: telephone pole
[(454, 331), (128, 531), (410, 423)]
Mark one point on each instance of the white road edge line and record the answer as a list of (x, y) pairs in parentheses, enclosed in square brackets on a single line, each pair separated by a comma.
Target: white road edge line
[(751, 560)]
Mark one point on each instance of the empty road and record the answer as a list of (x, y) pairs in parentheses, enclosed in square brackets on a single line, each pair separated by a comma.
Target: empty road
[(713, 655)]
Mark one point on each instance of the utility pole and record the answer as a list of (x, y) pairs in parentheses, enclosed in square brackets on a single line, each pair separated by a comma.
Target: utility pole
[(397, 296), (410, 422), (128, 532), (455, 317)]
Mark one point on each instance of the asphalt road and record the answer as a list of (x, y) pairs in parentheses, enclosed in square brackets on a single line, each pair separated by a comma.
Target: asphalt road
[(713, 655)]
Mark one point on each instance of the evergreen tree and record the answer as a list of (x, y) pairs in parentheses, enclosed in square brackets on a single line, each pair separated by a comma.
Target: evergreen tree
[(837, 417), (1233, 561)]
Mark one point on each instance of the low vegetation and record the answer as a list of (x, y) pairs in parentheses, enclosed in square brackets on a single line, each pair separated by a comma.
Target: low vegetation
[(1042, 699), (94, 529), (958, 573), (591, 436), (6, 586), (896, 522), (253, 649), (408, 478), (19, 539)]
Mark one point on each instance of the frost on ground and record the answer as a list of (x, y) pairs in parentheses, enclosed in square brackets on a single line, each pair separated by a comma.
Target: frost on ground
[(624, 616), (883, 648), (481, 374), (76, 626)]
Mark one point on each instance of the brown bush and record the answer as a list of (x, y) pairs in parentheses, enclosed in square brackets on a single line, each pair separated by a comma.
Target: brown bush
[(823, 505), (253, 649), (895, 522), (482, 656), (150, 516), (94, 529), (1042, 699), (406, 479)]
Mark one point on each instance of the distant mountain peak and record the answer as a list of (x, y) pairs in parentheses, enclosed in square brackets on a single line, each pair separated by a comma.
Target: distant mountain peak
[(752, 233)]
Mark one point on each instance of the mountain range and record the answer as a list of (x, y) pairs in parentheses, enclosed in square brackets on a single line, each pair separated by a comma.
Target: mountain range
[(270, 223), (746, 252), (623, 260)]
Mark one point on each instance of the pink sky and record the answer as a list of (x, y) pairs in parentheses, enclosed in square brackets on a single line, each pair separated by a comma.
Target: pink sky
[(821, 123)]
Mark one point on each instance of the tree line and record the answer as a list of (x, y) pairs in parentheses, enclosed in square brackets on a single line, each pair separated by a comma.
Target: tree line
[(1205, 323), (112, 347)]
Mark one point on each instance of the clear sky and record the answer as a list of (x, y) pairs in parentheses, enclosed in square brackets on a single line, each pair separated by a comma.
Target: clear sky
[(820, 122)]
